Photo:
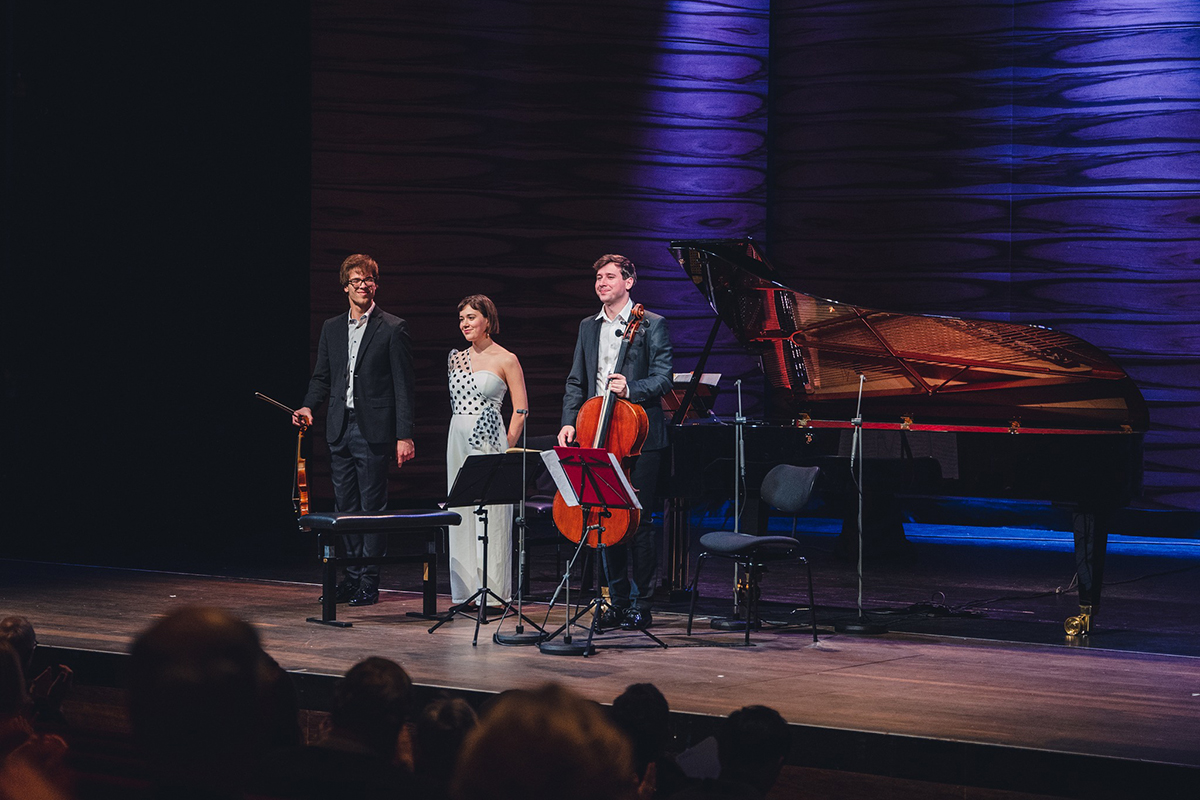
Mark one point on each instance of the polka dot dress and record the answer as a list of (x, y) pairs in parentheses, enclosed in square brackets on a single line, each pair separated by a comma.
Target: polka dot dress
[(476, 427)]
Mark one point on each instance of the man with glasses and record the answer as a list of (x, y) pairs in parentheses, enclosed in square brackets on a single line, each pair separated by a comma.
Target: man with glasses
[(364, 368)]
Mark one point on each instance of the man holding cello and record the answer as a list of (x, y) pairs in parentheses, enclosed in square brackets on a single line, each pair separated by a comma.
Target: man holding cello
[(644, 378)]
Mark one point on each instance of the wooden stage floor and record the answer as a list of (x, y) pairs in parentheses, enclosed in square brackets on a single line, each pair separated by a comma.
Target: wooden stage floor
[(990, 703)]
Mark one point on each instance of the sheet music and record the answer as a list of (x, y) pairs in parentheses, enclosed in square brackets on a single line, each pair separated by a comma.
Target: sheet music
[(706, 378), (629, 490), (558, 474)]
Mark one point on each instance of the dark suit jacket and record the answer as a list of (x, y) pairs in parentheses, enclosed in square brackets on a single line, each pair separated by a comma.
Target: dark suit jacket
[(383, 378), (647, 369)]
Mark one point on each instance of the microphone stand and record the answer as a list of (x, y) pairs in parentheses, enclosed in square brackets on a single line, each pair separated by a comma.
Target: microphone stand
[(520, 636), (739, 459), (740, 590), (739, 480), (860, 625)]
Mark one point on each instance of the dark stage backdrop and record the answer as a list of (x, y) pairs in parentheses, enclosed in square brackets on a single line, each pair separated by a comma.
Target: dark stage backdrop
[(155, 274), (1032, 162)]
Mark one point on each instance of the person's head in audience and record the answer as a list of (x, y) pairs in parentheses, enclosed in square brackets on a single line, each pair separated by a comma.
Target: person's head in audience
[(438, 736), (14, 700), (47, 689), (280, 706), (194, 697), (371, 704), (18, 632), (642, 713), (542, 744), (752, 745)]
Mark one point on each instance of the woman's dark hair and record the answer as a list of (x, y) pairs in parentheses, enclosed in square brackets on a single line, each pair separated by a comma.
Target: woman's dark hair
[(484, 305)]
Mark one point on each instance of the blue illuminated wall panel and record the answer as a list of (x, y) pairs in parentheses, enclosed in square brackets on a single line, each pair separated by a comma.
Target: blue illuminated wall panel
[(1035, 162)]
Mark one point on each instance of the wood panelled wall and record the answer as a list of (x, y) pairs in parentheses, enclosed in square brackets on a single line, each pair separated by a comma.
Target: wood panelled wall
[(1028, 161), (501, 146), (1032, 162)]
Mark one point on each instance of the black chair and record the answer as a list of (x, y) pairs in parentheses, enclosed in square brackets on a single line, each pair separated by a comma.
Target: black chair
[(788, 489)]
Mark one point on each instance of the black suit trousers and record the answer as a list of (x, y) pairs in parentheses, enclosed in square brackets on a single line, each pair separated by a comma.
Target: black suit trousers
[(635, 586), (360, 471)]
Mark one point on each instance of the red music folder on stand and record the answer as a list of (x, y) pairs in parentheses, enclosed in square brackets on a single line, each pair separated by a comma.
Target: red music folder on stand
[(590, 476)]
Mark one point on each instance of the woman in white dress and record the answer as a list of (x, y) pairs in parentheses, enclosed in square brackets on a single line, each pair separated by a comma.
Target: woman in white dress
[(479, 376)]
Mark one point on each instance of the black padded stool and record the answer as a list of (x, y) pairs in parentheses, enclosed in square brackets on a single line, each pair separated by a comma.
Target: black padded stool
[(788, 489), (328, 526)]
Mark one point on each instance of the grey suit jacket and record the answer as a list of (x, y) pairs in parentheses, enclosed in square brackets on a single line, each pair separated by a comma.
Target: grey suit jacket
[(647, 369), (383, 378)]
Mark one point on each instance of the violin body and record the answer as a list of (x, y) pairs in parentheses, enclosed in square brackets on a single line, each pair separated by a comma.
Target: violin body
[(301, 499), (300, 481), (626, 434), (620, 427)]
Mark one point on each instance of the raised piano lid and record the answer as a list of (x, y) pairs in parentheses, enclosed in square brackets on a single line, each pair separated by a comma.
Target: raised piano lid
[(938, 371)]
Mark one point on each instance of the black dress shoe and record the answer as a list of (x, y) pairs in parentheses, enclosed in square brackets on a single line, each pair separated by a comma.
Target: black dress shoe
[(343, 592), (637, 619), (364, 597), (610, 619)]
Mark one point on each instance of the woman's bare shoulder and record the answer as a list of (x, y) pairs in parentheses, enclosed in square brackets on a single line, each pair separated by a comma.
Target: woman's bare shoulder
[(507, 358)]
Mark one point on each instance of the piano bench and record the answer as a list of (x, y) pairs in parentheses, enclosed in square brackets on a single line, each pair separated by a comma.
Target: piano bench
[(329, 526), (751, 553)]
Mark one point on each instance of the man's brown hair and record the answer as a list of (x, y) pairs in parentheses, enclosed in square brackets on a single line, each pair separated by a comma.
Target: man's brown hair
[(358, 261), (628, 270)]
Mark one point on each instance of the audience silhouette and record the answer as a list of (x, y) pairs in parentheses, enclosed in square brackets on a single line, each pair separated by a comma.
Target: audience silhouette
[(358, 754), (643, 714), (215, 717), (752, 744), (437, 740), (31, 763), (50, 686), (544, 744), (195, 702)]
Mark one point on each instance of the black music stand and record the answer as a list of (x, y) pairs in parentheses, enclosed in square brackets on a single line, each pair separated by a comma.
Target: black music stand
[(483, 480), (591, 478)]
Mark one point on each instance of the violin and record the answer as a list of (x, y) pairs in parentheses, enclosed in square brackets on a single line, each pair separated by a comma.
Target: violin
[(300, 476), (620, 427), (300, 499)]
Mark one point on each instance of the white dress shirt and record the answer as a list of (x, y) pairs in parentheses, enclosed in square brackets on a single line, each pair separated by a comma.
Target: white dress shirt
[(611, 331), (357, 328)]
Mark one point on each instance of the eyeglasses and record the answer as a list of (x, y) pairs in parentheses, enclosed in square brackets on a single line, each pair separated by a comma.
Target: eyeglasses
[(357, 282)]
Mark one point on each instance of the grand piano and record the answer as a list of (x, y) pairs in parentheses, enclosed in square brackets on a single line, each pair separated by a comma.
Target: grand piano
[(966, 407)]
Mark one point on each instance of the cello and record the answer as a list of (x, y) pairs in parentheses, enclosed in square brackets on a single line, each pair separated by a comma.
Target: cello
[(620, 427)]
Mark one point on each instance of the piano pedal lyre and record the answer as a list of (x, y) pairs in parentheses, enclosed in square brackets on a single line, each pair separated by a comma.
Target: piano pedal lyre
[(1081, 624)]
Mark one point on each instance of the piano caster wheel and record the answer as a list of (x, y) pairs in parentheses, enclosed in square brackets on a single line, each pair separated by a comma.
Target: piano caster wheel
[(1080, 625)]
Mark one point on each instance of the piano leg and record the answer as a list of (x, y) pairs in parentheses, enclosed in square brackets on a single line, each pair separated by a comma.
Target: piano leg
[(1091, 545)]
